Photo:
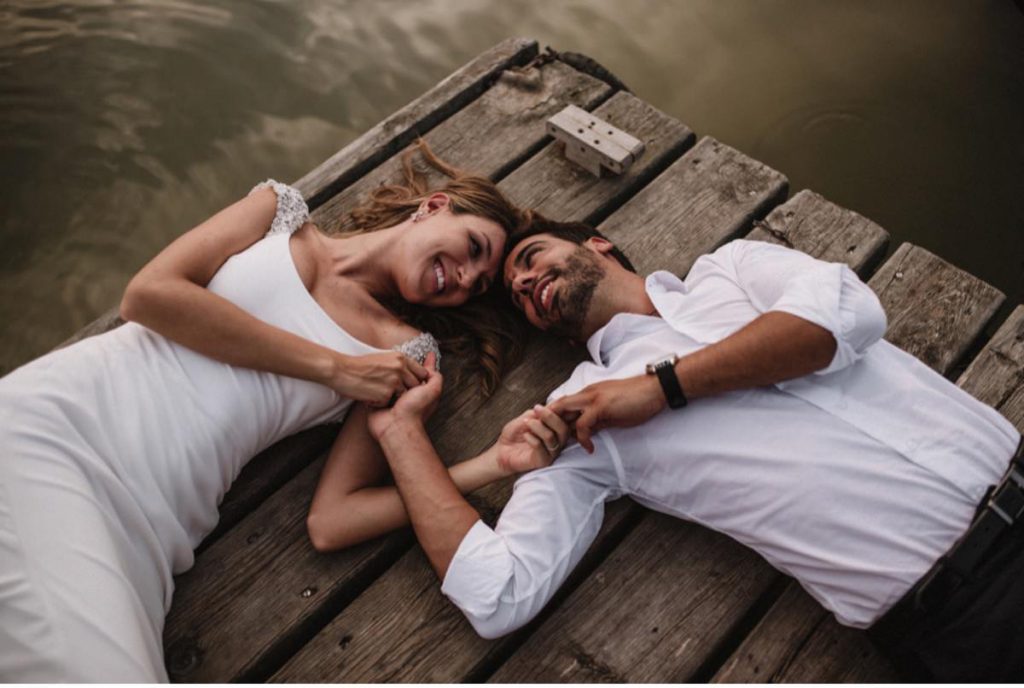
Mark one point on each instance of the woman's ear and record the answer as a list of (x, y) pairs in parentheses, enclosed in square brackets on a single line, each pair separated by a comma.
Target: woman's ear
[(435, 202)]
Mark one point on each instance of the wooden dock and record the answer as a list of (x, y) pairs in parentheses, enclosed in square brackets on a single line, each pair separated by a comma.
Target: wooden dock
[(655, 599)]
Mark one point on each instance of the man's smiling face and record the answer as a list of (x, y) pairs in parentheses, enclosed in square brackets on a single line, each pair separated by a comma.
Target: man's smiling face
[(552, 281)]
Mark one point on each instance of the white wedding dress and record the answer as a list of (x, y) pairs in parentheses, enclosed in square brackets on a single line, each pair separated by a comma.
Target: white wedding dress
[(116, 452)]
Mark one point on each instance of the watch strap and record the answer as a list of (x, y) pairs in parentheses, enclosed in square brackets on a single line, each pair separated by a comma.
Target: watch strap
[(666, 373)]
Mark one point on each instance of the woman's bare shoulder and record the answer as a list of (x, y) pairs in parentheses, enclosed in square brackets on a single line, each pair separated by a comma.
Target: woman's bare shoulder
[(396, 332)]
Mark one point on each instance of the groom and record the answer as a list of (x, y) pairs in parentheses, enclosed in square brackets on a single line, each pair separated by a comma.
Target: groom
[(755, 397)]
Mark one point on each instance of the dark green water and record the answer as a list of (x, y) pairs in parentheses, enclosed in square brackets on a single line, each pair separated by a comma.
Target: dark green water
[(123, 124)]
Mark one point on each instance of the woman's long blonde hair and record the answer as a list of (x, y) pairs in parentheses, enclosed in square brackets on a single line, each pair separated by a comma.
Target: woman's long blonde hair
[(484, 334)]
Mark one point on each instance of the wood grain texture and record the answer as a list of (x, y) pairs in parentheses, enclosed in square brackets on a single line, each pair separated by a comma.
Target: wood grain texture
[(710, 195), (400, 129), (651, 611), (837, 654), (779, 638), (269, 470), (104, 323), (403, 630), (935, 310), (924, 291), (825, 230), (489, 137), (258, 584), (563, 191), (996, 376)]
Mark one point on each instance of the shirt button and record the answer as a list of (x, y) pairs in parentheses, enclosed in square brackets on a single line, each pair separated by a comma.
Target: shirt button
[(911, 445), (842, 405)]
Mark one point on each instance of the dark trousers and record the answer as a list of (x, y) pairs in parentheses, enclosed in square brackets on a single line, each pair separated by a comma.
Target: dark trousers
[(963, 633)]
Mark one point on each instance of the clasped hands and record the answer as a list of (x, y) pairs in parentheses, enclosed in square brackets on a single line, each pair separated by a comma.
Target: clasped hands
[(536, 437), (610, 404)]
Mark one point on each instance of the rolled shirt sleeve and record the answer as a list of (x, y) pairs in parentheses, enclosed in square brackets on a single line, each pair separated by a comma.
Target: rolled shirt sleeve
[(829, 295), (502, 578)]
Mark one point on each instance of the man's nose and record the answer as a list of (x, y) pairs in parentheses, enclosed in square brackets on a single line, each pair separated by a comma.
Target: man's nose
[(522, 282)]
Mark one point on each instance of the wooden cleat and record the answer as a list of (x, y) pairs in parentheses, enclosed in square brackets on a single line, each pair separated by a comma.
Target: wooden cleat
[(593, 143)]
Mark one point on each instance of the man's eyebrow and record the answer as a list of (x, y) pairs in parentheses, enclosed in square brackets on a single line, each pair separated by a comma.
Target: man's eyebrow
[(518, 262)]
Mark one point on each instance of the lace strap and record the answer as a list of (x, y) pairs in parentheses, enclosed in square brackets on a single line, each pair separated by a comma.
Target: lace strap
[(292, 211), (419, 346)]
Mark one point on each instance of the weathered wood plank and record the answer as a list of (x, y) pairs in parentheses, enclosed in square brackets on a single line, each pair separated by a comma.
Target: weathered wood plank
[(459, 433), (564, 191), (578, 627), (267, 471), (779, 636), (838, 654), (693, 580), (996, 376), (710, 195), (104, 323), (259, 579), (824, 230), (450, 649), (932, 304), (401, 128), (909, 284), (505, 126), (380, 637)]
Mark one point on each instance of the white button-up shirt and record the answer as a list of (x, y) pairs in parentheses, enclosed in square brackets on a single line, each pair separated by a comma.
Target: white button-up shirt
[(853, 480)]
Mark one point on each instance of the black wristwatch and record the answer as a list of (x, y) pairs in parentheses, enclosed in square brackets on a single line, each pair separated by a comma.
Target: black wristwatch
[(665, 369)]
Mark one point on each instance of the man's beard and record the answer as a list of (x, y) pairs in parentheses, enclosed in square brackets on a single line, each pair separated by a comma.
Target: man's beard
[(581, 275)]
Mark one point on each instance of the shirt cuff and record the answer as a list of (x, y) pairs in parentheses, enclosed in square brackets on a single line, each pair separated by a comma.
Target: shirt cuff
[(479, 572), (824, 298)]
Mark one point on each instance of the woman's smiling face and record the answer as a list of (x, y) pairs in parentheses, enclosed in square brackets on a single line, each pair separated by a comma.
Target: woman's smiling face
[(447, 258)]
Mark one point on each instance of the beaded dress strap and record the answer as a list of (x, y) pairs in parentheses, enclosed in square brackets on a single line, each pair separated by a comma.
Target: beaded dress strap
[(419, 346), (292, 211)]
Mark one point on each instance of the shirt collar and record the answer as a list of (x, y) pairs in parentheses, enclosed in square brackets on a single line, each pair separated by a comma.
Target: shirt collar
[(660, 283), (602, 342)]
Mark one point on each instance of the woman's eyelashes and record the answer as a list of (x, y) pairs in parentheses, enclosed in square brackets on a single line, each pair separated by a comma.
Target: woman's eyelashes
[(474, 247)]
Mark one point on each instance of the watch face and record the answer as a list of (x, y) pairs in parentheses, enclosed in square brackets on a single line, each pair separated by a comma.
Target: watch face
[(653, 366)]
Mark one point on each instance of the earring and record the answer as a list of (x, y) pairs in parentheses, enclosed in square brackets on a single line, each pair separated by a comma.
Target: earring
[(418, 215)]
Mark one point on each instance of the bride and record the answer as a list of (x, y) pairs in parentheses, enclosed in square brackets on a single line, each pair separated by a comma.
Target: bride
[(250, 327)]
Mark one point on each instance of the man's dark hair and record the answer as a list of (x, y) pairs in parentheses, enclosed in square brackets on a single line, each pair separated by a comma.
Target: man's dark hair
[(575, 232)]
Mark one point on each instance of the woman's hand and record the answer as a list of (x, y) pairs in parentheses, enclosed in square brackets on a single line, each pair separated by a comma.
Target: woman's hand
[(414, 406), (532, 440), (375, 379)]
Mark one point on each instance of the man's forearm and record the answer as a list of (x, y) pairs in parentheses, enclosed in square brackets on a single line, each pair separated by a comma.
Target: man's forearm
[(772, 348), (440, 515)]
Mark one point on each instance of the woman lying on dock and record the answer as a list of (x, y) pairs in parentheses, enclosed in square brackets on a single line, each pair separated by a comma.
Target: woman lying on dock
[(248, 328)]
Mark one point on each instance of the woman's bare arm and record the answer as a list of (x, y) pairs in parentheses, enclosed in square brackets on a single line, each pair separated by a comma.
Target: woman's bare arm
[(352, 504), (169, 296)]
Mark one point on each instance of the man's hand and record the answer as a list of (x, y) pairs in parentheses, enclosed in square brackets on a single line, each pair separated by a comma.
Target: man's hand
[(531, 440), (414, 406), (611, 404)]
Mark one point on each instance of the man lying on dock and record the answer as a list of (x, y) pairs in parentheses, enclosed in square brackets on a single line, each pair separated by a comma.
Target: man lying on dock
[(757, 398)]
